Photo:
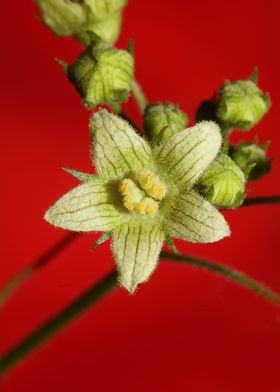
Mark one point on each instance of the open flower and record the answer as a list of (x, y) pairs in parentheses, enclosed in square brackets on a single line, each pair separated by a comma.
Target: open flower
[(140, 195)]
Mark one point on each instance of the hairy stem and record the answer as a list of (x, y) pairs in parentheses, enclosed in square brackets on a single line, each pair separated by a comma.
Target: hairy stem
[(236, 276), (8, 290), (99, 290), (58, 322), (139, 96)]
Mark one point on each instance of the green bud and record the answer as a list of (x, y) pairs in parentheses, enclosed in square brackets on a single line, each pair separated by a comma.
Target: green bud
[(242, 104), (252, 159), (161, 121), (77, 17), (102, 74), (223, 183)]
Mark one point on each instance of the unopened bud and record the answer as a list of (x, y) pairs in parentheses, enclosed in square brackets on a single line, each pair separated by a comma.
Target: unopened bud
[(223, 183), (252, 159), (161, 121), (242, 104), (102, 74), (77, 17)]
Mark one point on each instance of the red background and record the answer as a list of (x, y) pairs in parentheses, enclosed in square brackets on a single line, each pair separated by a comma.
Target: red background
[(185, 329)]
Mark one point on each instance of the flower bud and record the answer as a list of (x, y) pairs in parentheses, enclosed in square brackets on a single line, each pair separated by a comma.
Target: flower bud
[(102, 74), (77, 17), (242, 104), (161, 121), (223, 183), (252, 159)]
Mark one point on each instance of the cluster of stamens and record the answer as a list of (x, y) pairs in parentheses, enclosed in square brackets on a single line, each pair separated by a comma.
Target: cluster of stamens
[(142, 198)]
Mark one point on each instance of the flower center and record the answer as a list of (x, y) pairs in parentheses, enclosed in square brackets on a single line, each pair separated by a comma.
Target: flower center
[(142, 198)]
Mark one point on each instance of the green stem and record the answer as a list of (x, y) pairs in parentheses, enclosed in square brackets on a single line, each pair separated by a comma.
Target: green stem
[(139, 96), (57, 323), (236, 276), (261, 200), (8, 290), (99, 290)]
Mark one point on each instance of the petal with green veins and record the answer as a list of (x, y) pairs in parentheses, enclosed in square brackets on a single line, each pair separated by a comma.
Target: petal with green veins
[(136, 249), (116, 148), (103, 8), (188, 153), (194, 219), (87, 207)]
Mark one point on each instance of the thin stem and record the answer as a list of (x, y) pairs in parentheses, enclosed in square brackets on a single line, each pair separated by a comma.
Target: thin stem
[(261, 200), (236, 276), (99, 290), (139, 96), (8, 290), (58, 322)]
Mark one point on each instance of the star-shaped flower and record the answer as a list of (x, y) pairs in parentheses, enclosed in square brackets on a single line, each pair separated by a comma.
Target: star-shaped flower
[(141, 195)]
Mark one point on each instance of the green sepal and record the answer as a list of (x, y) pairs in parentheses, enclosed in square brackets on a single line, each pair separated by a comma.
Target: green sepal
[(242, 104), (102, 74), (103, 238), (252, 159), (163, 116), (171, 245), (130, 47), (63, 65), (223, 183), (158, 138), (255, 75), (84, 177)]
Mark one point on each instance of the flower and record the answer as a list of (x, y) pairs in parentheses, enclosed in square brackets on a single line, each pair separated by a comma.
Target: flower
[(142, 195), (77, 17)]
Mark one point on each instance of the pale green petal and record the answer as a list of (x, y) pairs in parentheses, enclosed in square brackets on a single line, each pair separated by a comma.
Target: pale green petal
[(187, 154), (85, 208), (117, 150), (62, 17), (103, 8), (136, 250), (194, 219)]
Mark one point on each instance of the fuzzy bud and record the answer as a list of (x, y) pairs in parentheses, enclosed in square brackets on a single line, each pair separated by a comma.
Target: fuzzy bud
[(102, 74), (223, 183), (252, 159), (161, 121), (242, 104), (77, 17)]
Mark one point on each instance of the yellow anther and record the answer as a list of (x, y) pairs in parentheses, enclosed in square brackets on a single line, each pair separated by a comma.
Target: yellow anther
[(147, 206), (135, 199), (152, 184), (125, 185), (146, 179), (158, 191), (127, 202)]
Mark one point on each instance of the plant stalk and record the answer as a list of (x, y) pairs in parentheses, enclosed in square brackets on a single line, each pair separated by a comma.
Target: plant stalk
[(58, 322), (139, 96), (230, 273), (99, 290), (8, 290)]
